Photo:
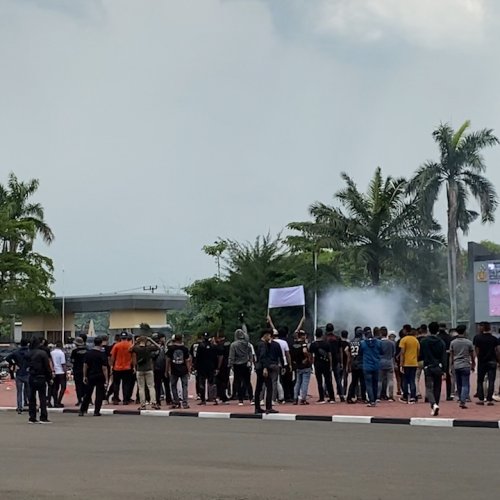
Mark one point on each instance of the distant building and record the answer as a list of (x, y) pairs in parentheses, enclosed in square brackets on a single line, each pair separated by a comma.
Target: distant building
[(126, 312)]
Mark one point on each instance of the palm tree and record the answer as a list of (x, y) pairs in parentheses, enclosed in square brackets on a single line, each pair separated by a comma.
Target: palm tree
[(377, 228), (15, 203), (460, 170)]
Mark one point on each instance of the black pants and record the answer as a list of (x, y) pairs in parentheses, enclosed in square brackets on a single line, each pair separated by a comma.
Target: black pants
[(58, 388), (433, 382), (261, 383), (287, 384), (339, 379), (448, 379), (323, 372), (484, 370), (125, 378), (242, 384), (79, 386), (97, 383), (357, 378), (222, 381), (162, 382), (207, 379), (38, 385)]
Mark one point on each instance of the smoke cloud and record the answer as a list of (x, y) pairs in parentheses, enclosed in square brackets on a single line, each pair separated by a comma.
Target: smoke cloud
[(347, 308)]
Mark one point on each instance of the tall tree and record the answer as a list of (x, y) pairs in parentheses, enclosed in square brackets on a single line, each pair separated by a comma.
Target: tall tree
[(460, 170), (25, 275), (378, 228)]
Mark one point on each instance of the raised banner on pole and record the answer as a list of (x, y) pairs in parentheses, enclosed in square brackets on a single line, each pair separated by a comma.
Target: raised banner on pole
[(287, 297)]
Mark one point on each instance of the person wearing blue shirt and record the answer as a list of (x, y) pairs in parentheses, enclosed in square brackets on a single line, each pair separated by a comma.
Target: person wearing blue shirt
[(371, 349)]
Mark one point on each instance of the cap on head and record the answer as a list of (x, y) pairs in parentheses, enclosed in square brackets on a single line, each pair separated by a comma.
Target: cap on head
[(79, 341), (124, 335)]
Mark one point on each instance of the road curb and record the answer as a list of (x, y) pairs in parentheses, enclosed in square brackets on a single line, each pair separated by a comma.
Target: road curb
[(349, 419)]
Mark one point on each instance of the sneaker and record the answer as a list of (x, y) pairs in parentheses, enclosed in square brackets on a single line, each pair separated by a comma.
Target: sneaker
[(412, 401), (175, 406), (403, 400), (33, 421), (378, 401), (45, 422), (321, 402), (463, 406), (451, 398), (259, 411), (81, 414), (351, 402), (202, 403), (391, 400), (496, 398), (19, 411), (331, 401), (371, 405), (296, 402), (303, 402), (98, 414), (271, 411), (240, 403), (480, 403), (185, 406), (342, 399), (490, 403)]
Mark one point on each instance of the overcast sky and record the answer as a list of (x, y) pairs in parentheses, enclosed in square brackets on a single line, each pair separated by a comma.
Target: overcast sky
[(156, 126)]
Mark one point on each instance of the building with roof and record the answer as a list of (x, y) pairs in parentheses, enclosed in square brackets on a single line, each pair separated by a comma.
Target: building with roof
[(126, 312)]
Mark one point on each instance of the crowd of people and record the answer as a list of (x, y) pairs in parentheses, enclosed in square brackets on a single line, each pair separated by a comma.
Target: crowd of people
[(372, 366)]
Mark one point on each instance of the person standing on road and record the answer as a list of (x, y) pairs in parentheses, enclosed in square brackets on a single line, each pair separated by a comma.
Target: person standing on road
[(77, 358), (322, 361), (268, 357), (447, 338), (410, 349), (193, 351), (463, 362), (95, 376), (240, 361), (433, 355), (356, 368), (386, 375), (222, 371), (40, 373), (18, 362), (162, 380), (488, 355), (59, 363), (121, 362), (206, 364), (371, 350), (178, 369), (422, 332), (345, 348), (302, 361), (337, 359), (142, 362)]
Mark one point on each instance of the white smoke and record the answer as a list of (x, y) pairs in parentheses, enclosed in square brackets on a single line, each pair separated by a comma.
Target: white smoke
[(347, 308)]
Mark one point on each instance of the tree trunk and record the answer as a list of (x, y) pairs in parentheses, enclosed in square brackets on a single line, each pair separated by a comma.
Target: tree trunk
[(452, 194)]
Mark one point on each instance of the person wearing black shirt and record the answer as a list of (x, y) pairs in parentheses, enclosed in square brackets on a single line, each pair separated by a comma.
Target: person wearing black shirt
[(322, 360), (95, 376), (447, 338), (301, 361), (337, 359), (356, 368), (17, 362), (268, 356), (206, 364), (488, 355), (178, 368), (193, 351), (161, 377), (40, 372), (77, 358), (344, 347), (222, 371)]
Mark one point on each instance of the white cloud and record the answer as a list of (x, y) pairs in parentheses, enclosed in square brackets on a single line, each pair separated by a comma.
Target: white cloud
[(427, 23)]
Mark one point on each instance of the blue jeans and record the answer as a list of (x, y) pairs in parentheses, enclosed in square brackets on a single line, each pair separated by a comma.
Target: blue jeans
[(23, 390), (409, 385), (462, 376), (371, 381), (302, 383)]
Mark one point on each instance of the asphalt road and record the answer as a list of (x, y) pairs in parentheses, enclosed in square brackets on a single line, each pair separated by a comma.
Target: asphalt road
[(146, 458)]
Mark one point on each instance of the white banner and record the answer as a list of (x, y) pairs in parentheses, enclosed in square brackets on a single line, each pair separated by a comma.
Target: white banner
[(287, 297)]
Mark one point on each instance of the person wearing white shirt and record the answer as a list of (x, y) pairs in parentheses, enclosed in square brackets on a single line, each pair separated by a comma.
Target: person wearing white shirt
[(59, 386)]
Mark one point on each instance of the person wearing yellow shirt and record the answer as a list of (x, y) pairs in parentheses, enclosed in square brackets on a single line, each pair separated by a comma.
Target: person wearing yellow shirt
[(410, 350)]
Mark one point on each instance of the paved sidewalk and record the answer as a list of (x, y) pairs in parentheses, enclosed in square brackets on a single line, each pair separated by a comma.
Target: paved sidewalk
[(383, 410)]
